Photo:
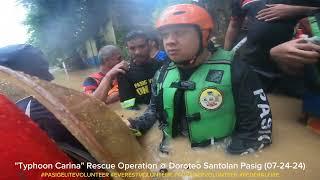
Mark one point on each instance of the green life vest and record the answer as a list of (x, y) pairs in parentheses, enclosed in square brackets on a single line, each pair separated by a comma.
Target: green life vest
[(314, 22), (210, 107)]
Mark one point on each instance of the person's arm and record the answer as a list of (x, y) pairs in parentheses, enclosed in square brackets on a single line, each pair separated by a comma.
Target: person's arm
[(274, 12), (127, 92), (291, 56), (106, 83), (114, 97), (236, 20), (254, 121), (232, 32), (144, 122), (103, 88), (149, 117), (90, 85)]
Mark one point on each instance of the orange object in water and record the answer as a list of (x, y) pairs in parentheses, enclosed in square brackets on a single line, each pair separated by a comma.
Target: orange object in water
[(314, 124)]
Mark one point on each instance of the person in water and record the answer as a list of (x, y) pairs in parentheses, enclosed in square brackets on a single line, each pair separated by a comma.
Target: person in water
[(134, 86), (205, 96), (103, 84)]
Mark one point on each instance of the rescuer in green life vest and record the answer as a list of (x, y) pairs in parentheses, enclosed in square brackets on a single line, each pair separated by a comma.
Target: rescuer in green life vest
[(205, 96)]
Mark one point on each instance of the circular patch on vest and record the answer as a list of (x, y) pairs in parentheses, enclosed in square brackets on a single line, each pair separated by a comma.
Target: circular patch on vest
[(211, 98)]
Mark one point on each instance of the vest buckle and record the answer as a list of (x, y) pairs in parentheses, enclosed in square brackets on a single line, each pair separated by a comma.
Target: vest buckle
[(184, 85), (204, 143), (164, 145)]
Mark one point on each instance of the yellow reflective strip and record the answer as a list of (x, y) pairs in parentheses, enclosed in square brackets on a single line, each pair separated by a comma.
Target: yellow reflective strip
[(136, 132), (128, 103)]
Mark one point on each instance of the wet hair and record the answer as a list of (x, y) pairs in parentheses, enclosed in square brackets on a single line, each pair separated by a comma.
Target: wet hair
[(136, 34), (106, 52)]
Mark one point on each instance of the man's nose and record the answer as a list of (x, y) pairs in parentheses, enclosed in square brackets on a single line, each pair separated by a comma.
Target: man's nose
[(137, 51)]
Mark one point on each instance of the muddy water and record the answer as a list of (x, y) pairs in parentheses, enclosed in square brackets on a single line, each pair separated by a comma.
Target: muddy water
[(293, 145), (294, 153), (74, 79)]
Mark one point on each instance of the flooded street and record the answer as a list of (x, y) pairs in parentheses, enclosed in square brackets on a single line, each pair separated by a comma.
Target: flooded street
[(192, 50), (75, 78), (293, 154), (294, 146)]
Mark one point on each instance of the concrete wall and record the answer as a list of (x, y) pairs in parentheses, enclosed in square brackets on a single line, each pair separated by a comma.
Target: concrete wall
[(108, 33), (107, 36), (91, 48)]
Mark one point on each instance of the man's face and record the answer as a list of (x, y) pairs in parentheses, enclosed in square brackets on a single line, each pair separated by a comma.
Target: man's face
[(180, 42), (139, 50), (114, 60)]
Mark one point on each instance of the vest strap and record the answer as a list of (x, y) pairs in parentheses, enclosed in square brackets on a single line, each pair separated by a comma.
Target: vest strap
[(164, 145), (184, 85), (193, 117), (161, 115), (206, 142), (201, 144)]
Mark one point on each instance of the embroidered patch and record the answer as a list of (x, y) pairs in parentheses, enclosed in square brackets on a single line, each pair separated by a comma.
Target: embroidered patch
[(215, 76), (211, 99)]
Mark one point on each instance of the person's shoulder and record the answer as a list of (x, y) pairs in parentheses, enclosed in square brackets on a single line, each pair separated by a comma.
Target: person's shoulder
[(150, 66), (96, 75), (89, 81), (161, 56), (159, 64)]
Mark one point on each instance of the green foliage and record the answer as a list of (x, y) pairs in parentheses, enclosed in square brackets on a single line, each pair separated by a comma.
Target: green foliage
[(61, 27), (120, 38)]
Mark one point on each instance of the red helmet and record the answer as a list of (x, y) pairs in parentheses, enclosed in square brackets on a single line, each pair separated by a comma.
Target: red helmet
[(187, 14)]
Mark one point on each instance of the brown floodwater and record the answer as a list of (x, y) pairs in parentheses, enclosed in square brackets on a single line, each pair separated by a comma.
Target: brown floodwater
[(293, 145), (74, 79), (293, 154)]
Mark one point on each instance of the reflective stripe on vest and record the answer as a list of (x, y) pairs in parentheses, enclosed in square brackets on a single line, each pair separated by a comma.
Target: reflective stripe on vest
[(315, 29), (210, 108)]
